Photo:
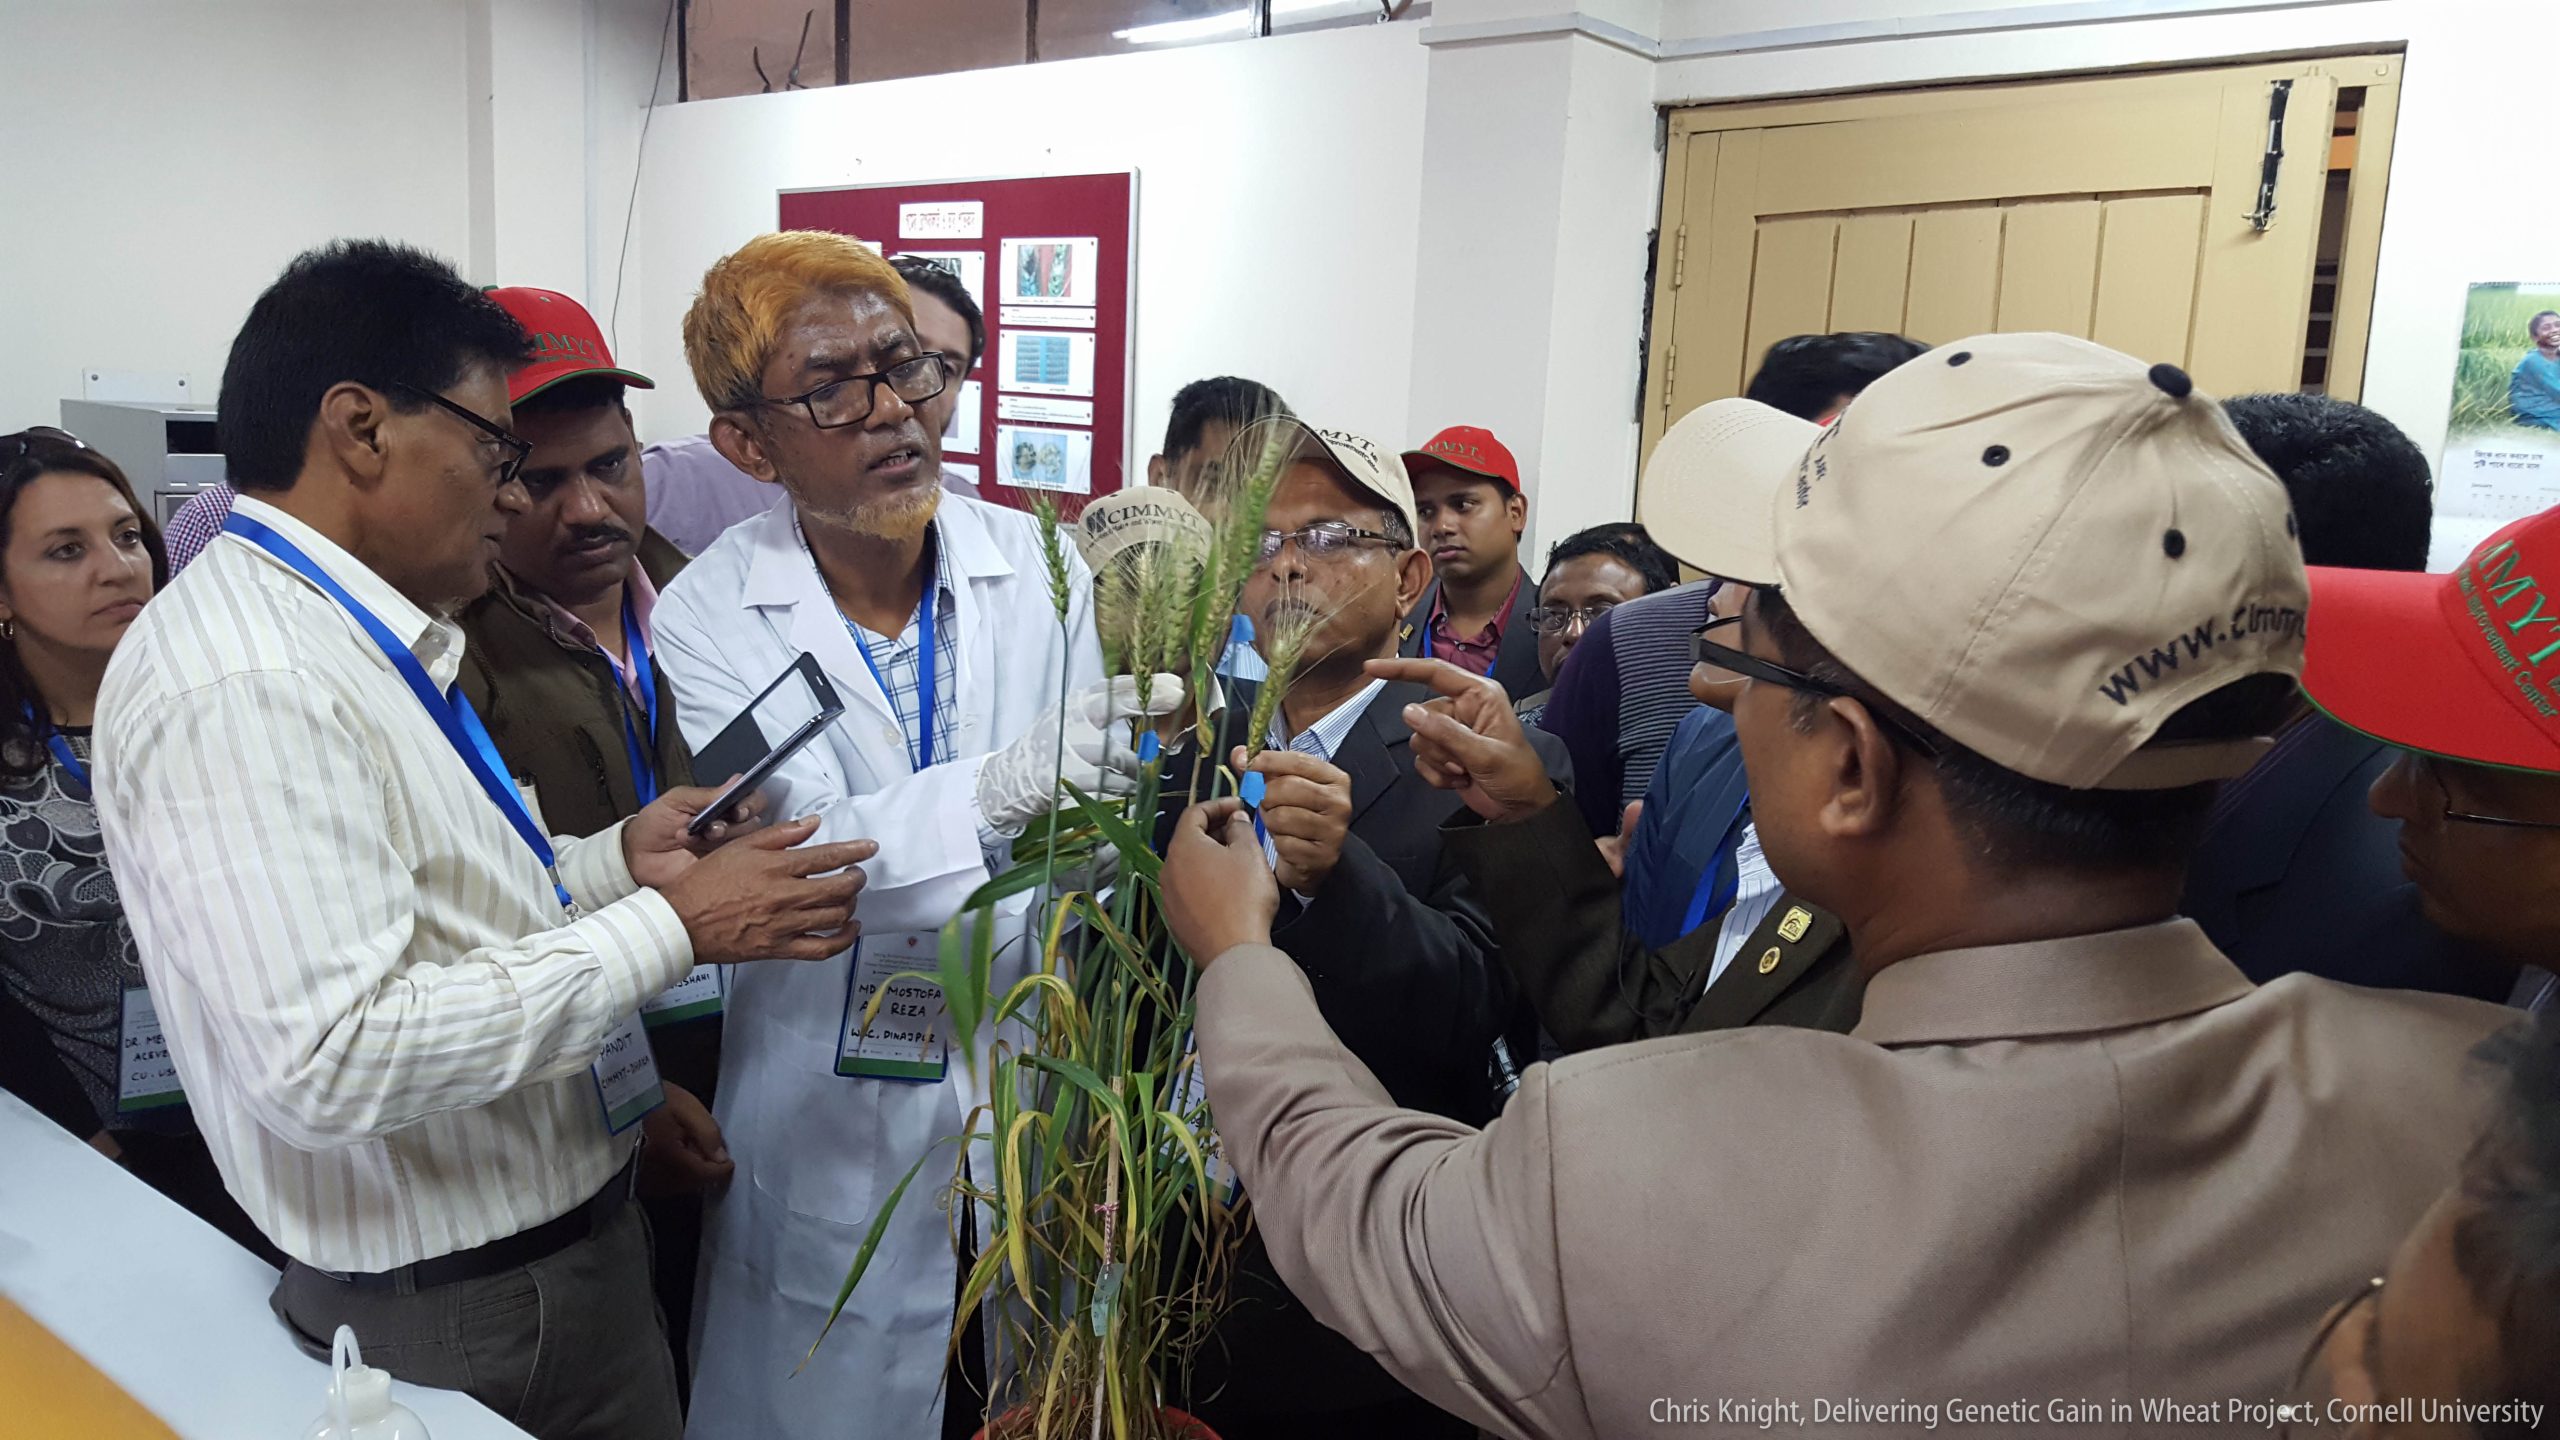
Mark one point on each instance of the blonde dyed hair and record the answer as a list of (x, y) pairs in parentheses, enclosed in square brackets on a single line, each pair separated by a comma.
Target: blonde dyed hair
[(746, 299)]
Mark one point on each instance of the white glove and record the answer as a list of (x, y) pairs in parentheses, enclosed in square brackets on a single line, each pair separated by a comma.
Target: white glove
[(1019, 783)]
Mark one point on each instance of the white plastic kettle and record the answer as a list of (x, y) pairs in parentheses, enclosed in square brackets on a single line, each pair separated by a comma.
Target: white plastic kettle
[(360, 1405)]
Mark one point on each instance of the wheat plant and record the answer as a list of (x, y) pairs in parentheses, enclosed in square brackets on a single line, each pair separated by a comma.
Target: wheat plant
[(1107, 1225)]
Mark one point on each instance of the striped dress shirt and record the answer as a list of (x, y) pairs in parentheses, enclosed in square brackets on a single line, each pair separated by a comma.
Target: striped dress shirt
[(382, 1018)]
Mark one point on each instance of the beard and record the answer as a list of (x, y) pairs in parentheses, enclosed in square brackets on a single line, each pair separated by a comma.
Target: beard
[(896, 517)]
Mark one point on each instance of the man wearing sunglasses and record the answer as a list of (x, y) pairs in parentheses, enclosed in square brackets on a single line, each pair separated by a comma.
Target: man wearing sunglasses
[(933, 618), (406, 1016), (2014, 615)]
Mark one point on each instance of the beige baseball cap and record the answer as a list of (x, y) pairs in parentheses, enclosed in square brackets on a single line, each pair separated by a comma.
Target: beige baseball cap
[(1360, 460), (2039, 546)]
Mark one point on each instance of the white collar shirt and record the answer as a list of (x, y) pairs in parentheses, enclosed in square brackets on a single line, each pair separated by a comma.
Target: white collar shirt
[(382, 1018)]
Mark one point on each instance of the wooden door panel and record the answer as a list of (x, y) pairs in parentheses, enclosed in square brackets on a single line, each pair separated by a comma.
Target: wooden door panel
[(1872, 276), (2147, 257), (2048, 266), (1955, 273)]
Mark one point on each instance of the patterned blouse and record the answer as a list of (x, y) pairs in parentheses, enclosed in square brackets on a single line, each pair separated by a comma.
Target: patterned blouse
[(66, 952)]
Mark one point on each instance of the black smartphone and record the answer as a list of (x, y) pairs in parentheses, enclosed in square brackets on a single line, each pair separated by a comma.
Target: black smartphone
[(744, 748)]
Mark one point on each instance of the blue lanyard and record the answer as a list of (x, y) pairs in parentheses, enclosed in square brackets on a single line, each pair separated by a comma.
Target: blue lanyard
[(926, 606), (61, 748), (644, 758), (1711, 897), (452, 711)]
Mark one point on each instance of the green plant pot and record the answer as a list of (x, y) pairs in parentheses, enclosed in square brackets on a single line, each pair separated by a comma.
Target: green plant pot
[(1178, 1426)]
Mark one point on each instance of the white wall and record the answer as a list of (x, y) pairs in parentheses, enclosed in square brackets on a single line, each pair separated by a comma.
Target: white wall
[(1277, 209), (163, 159)]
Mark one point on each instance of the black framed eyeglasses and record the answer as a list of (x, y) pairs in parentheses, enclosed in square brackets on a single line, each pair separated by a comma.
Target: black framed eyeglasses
[(1734, 660), (848, 401), (2431, 785), (511, 446), (1321, 540), (1557, 619)]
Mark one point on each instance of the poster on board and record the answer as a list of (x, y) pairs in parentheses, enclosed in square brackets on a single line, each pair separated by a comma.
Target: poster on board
[(960, 437), (1043, 255), (969, 267), (1031, 458), (1036, 362), (2501, 457), (1051, 271)]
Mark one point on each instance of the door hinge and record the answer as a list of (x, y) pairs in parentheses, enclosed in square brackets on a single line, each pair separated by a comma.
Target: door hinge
[(1670, 377), (1679, 256)]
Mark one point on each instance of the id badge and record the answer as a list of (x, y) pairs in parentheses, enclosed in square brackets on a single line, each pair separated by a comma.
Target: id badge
[(905, 1040), (696, 995), (626, 1075), (146, 1078)]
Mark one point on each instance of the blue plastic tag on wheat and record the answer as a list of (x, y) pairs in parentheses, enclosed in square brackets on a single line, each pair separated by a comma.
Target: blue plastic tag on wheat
[(1149, 747)]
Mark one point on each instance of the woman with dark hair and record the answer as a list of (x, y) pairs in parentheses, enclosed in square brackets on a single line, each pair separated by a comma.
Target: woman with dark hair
[(79, 556), (2533, 392)]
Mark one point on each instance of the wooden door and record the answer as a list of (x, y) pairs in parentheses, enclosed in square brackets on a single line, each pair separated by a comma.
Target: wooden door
[(2119, 209)]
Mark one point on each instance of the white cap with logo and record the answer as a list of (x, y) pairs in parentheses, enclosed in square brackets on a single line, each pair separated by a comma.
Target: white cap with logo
[(2039, 546)]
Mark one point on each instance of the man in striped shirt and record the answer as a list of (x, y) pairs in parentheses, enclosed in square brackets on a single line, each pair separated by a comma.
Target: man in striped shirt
[(389, 998)]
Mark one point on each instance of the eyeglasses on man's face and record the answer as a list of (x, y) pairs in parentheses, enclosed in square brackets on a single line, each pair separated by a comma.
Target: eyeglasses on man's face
[(1321, 540), (849, 401), (503, 451), (1717, 644), (1559, 619), (2435, 776)]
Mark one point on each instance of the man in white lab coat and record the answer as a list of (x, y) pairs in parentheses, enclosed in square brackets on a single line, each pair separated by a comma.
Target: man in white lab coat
[(932, 617)]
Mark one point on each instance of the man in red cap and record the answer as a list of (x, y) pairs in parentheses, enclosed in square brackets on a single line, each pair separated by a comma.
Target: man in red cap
[(560, 666), (1466, 490), (2460, 670)]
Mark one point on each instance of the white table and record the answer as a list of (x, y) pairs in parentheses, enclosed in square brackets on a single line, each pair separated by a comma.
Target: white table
[(163, 1303)]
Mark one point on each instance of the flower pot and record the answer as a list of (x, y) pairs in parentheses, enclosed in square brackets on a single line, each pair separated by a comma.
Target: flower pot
[(1179, 1425)]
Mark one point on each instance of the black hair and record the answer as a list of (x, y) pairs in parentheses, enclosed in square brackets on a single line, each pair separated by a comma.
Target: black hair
[(373, 312), (1623, 540), (2360, 489), (930, 277), (2539, 317), (1229, 398), (2020, 822), (1806, 375), (50, 452), (570, 396), (2507, 1245)]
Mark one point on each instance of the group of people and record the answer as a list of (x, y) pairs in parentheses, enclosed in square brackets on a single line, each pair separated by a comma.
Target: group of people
[(1981, 842)]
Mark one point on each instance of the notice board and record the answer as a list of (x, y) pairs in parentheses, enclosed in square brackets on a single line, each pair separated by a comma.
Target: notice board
[(1049, 259)]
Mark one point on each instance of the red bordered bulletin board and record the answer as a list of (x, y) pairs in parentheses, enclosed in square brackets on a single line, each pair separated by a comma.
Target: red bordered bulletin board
[(1055, 377)]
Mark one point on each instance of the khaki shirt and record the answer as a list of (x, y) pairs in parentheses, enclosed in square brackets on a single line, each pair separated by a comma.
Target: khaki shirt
[(2099, 1169)]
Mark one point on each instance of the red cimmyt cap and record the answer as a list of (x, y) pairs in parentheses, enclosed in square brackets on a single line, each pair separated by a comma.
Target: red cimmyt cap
[(1471, 448), (566, 343), (2465, 665)]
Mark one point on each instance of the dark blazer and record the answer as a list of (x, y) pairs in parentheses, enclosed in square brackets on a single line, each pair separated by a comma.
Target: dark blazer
[(555, 709), (1594, 982), (2296, 873), (1401, 955), (1515, 665)]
